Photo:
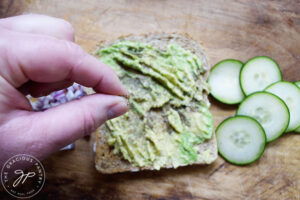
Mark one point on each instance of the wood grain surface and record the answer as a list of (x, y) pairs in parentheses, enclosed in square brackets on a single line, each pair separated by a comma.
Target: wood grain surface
[(226, 29)]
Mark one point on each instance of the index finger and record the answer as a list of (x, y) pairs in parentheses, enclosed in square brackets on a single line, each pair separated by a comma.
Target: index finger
[(39, 24), (47, 59)]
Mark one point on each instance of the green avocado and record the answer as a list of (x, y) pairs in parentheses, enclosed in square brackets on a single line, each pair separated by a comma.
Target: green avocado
[(168, 116)]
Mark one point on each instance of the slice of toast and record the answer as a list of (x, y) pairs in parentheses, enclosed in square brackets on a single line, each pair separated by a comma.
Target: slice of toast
[(108, 162)]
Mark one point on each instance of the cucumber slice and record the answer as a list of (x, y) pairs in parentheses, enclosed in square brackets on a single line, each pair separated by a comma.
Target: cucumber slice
[(290, 94), (269, 110), (241, 140), (258, 73), (298, 129), (224, 81)]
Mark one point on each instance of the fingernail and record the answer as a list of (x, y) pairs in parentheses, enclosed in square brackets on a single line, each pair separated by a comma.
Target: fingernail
[(126, 96), (126, 93), (118, 109)]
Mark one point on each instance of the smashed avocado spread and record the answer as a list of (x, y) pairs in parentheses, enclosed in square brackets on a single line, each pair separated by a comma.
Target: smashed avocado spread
[(168, 116)]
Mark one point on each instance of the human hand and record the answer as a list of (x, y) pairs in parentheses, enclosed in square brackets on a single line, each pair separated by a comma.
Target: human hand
[(37, 56)]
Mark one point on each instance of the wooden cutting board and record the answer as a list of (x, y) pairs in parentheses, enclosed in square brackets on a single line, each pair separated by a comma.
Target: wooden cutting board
[(226, 29)]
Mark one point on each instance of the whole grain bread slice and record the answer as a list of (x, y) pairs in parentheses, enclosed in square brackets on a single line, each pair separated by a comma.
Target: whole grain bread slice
[(105, 160)]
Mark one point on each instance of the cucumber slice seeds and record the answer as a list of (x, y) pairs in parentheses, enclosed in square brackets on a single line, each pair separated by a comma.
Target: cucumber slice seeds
[(290, 94), (264, 107), (258, 73), (241, 140), (270, 108)]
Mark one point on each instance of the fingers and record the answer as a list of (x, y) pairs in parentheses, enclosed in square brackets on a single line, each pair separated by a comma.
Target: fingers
[(42, 133), (11, 99), (42, 89), (46, 59), (66, 123), (40, 24), (44, 54)]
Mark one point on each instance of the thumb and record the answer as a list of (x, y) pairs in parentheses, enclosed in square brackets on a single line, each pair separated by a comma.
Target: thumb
[(62, 125)]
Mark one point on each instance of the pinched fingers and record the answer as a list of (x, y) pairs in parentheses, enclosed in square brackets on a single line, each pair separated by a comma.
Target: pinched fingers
[(46, 59)]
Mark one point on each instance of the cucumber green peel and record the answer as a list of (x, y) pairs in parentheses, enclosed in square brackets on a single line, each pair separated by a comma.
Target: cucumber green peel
[(258, 76), (298, 129), (224, 81), (264, 107), (290, 94), (259, 72), (241, 140)]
